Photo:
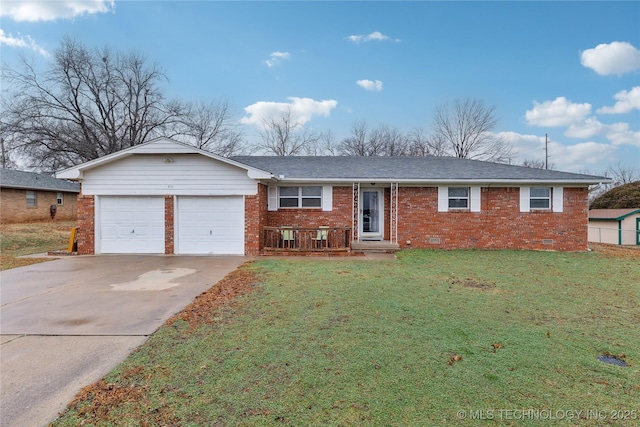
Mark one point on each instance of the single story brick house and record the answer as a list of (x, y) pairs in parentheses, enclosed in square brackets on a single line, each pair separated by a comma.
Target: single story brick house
[(615, 226), (166, 197), (29, 196)]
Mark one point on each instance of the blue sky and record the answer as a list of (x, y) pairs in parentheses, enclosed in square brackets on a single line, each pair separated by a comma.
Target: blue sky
[(567, 69)]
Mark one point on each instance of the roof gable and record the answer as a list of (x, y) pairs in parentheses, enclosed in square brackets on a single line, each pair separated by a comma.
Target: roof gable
[(35, 181), (162, 146), (428, 169)]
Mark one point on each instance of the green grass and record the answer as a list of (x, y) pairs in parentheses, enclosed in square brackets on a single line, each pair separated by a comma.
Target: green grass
[(336, 343)]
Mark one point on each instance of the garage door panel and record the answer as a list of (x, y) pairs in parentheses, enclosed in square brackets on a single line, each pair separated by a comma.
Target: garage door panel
[(211, 225), (131, 224)]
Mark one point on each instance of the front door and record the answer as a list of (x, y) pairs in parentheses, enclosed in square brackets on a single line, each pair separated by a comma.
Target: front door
[(371, 214)]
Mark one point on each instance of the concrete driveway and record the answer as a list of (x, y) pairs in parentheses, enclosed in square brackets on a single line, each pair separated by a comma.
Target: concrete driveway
[(64, 324)]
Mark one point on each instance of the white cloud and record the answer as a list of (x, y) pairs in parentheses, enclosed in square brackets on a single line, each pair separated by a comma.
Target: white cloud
[(562, 157), (302, 110), (22, 42), (559, 112), (375, 36), (373, 85), (621, 134), (627, 101), (276, 57), (33, 11), (585, 129), (612, 58)]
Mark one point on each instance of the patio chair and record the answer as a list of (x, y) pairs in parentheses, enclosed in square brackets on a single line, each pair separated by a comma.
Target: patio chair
[(322, 237), (287, 236)]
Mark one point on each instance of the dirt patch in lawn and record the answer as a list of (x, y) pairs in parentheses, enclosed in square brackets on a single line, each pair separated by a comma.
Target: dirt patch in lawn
[(473, 284), (632, 252), (202, 309)]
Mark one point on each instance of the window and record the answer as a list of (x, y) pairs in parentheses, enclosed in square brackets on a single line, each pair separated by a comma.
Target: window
[(60, 199), (31, 199), (458, 197), (300, 197), (540, 197)]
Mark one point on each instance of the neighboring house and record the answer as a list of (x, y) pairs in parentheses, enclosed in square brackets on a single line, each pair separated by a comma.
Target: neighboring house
[(29, 196), (168, 197), (615, 226)]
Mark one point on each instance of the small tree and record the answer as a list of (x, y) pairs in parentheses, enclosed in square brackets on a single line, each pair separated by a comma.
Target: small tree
[(211, 127), (284, 136), (466, 130)]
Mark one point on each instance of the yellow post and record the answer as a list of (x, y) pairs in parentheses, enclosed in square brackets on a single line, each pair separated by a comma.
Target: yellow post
[(72, 238)]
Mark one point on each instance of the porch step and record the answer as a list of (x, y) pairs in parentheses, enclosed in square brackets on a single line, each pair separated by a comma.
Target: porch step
[(375, 246)]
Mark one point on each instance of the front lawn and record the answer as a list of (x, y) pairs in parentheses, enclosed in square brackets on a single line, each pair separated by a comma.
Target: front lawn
[(433, 338), (32, 238)]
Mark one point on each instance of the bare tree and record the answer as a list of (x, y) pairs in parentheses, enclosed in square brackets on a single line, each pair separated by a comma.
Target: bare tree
[(421, 144), (86, 104), (622, 174), (466, 128), (537, 164), (381, 141), (284, 136), (326, 145), (212, 127), (356, 143), (393, 142)]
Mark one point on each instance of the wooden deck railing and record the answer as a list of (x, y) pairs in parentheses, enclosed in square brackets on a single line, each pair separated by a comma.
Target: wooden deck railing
[(301, 239)]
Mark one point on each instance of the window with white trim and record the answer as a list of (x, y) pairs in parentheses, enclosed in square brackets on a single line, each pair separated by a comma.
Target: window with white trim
[(458, 197), (32, 200), (60, 199), (300, 197), (540, 198)]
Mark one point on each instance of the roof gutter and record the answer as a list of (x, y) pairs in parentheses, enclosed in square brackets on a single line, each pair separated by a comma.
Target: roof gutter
[(457, 181)]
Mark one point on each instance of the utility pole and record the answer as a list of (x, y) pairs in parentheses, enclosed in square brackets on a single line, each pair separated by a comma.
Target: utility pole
[(546, 152)]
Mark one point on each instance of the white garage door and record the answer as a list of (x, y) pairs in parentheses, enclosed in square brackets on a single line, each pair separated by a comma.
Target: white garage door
[(211, 225), (131, 225)]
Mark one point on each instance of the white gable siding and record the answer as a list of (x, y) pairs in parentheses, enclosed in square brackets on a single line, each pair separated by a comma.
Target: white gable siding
[(153, 174)]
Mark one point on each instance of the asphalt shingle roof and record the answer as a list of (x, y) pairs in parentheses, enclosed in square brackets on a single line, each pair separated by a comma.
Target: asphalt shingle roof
[(403, 168), (10, 178)]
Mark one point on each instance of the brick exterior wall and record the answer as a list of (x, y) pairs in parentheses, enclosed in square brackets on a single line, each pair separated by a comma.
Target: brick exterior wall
[(499, 225), (169, 209), (255, 217), (86, 225), (339, 216), (13, 206)]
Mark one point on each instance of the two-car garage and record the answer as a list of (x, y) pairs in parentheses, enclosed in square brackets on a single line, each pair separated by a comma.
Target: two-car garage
[(166, 197), (203, 225)]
